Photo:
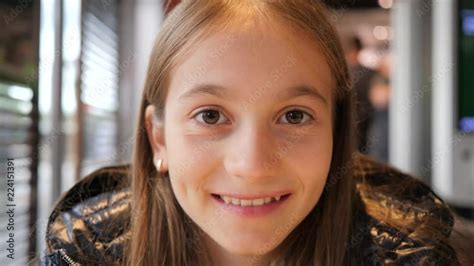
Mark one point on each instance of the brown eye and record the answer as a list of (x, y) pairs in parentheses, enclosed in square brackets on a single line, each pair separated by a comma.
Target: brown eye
[(297, 117), (294, 116), (208, 116)]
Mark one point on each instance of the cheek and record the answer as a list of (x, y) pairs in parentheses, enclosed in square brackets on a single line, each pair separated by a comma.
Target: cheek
[(187, 157), (188, 173), (313, 161), (190, 163)]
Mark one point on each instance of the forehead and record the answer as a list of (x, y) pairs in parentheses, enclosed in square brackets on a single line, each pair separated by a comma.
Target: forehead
[(253, 56)]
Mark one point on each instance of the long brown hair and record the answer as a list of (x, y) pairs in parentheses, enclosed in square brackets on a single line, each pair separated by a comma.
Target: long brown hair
[(162, 234)]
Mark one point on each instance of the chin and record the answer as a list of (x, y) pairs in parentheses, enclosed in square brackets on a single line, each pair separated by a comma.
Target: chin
[(246, 252), (246, 247)]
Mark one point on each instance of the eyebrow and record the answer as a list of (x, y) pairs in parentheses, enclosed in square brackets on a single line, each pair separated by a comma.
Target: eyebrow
[(221, 92)]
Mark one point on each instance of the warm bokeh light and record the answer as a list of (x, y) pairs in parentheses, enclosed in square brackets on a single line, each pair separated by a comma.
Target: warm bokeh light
[(382, 33), (387, 4)]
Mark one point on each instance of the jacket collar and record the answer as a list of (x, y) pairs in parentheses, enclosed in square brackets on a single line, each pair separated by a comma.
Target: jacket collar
[(80, 227)]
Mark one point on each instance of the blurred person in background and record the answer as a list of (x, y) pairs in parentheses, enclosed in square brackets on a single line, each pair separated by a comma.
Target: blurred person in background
[(379, 96), (18, 54), (361, 79)]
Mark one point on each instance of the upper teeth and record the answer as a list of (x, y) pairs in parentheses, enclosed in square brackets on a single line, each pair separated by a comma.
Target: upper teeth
[(254, 202)]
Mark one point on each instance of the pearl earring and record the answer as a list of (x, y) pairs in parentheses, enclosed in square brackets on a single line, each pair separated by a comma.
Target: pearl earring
[(158, 164)]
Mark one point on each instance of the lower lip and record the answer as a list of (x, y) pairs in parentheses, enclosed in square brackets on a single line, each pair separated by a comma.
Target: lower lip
[(251, 211)]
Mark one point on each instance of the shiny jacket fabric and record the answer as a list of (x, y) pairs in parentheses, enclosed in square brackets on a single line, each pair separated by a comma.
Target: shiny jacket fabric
[(90, 223)]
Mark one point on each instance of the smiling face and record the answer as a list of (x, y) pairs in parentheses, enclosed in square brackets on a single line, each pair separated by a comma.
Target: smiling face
[(248, 117)]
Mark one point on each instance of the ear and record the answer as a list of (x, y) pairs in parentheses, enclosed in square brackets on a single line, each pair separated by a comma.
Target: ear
[(156, 136)]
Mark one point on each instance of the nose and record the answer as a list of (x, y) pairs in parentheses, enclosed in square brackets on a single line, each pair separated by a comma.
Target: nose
[(251, 153)]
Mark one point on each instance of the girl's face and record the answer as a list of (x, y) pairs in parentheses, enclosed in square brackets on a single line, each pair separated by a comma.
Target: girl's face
[(248, 117)]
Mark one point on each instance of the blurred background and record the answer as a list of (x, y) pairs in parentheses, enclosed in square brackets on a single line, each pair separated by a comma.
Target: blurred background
[(71, 75)]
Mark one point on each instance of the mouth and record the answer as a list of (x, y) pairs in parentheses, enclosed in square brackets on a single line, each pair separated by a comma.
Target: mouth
[(249, 201)]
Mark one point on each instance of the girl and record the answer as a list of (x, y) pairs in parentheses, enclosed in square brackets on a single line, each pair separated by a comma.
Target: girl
[(244, 153), (244, 102)]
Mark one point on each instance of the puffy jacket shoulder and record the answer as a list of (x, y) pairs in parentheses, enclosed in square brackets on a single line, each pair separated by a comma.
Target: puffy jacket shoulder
[(399, 221), (406, 222), (89, 224)]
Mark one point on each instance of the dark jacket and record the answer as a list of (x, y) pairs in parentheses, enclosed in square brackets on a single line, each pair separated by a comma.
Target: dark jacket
[(79, 229)]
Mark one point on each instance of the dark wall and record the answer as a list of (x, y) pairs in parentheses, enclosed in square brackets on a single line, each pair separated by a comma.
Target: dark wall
[(352, 3), (169, 4)]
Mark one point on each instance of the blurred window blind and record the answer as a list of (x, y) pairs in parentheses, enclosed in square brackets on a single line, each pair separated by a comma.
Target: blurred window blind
[(18, 143), (99, 95)]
